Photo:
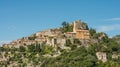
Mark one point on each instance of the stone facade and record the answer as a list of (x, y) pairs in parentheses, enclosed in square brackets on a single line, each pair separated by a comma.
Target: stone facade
[(50, 37), (70, 35), (50, 32), (80, 31), (101, 56), (114, 56), (82, 34)]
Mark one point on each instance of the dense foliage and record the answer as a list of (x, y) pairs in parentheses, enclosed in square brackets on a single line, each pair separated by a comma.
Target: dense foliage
[(34, 54), (66, 27)]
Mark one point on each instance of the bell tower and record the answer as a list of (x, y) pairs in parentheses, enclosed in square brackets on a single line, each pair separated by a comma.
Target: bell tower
[(75, 26)]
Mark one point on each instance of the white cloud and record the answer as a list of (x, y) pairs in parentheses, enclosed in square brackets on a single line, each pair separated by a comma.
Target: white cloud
[(112, 19), (108, 28), (4, 42)]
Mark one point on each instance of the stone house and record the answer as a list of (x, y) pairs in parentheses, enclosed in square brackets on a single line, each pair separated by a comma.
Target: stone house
[(50, 32), (55, 41), (101, 56), (70, 35), (114, 56), (50, 37), (82, 34), (80, 31)]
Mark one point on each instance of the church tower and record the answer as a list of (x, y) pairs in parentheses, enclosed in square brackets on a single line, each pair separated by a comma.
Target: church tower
[(75, 26)]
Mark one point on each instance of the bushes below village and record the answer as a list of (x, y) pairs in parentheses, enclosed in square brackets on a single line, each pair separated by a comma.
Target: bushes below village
[(78, 57)]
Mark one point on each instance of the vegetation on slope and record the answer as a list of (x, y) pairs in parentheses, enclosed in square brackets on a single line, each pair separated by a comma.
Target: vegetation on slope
[(66, 27)]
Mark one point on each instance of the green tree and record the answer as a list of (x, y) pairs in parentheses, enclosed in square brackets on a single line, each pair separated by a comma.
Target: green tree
[(91, 49), (68, 42), (31, 48), (92, 31), (22, 49), (77, 41), (38, 48), (1, 49), (33, 37), (66, 27), (87, 28)]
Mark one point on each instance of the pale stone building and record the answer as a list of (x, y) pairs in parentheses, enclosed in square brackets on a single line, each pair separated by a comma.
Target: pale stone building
[(101, 56), (70, 35), (50, 32), (51, 37), (114, 56), (80, 31), (56, 41)]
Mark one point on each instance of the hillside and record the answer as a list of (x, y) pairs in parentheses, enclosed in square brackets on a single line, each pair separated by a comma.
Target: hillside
[(71, 45)]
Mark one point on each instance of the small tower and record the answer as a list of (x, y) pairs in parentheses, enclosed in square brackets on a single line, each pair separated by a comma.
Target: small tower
[(74, 26)]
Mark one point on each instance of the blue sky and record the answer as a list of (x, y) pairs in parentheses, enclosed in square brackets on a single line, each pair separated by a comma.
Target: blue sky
[(19, 18)]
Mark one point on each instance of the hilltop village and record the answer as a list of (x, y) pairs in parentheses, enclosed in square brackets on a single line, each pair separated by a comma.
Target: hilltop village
[(54, 37), (71, 45)]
